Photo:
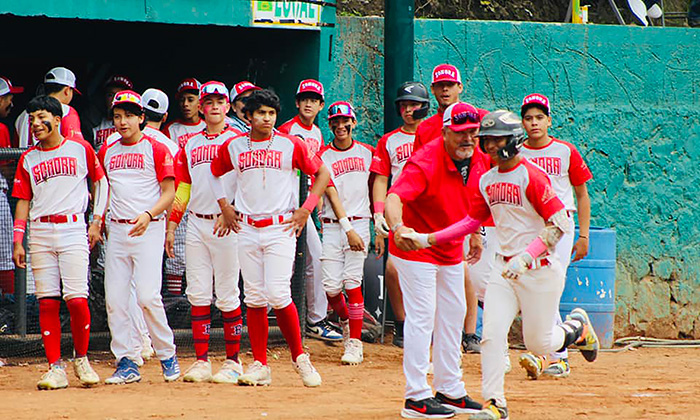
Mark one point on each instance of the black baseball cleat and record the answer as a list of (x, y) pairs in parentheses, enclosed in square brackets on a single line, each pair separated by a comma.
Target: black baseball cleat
[(428, 408), (464, 405), (588, 343)]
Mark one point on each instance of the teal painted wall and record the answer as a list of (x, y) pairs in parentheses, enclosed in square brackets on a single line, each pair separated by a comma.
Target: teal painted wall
[(627, 97)]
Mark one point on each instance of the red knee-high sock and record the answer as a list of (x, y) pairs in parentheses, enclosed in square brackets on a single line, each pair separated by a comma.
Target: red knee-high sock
[(50, 325), (233, 325), (79, 325), (257, 333), (337, 302), (356, 310), (201, 322), (288, 321)]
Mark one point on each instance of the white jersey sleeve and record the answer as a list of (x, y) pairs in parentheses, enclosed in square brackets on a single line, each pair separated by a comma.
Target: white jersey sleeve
[(350, 175)]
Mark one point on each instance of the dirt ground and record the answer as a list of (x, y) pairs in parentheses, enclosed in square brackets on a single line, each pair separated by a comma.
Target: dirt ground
[(638, 384)]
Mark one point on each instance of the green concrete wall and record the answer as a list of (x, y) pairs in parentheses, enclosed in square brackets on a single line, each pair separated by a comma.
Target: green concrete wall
[(627, 97)]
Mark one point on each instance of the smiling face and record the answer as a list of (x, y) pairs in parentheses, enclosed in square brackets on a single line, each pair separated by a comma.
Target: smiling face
[(127, 123), (446, 93), (342, 127), (43, 124), (460, 144), (492, 144)]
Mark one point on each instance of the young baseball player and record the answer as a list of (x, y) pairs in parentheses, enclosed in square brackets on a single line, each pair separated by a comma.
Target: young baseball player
[(239, 95), (309, 102), (208, 254), (393, 150), (51, 188), (569, 174), (105, 128), (432, 280), (530, 220), (265, 162), (141, 178), (346, 226)]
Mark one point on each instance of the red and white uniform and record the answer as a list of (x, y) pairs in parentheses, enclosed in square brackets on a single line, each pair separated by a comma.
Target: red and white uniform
[(393, 151), (180, 132), (102, 132), (134, 172), (155, 135), (520, 200), (70, 127), (350, 172), (55, 182), (316, 302)]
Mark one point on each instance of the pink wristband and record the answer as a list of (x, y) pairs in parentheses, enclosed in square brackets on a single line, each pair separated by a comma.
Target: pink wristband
[(536, 248), (457, 230), (20, 227), (311, 201), (379, 207)]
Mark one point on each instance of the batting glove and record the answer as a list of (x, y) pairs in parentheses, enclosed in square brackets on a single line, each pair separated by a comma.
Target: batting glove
[(381, 227), (517, 266)]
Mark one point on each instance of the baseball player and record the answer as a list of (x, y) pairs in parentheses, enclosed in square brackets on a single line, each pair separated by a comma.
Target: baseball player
[(346, 226), (51, 188), (208, 253), (432, 280), (59, 83), (141, 178), (239, 95), (530, 220), (393, 150), (569, 174), (7, 93), (105, 128), (310, 101), (265, 162)]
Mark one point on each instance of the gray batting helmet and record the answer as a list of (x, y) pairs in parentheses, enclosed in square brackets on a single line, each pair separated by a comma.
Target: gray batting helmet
[(503, 123), (414, 91)]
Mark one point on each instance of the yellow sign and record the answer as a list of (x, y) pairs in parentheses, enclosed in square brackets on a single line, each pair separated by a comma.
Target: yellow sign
[(287, 14)]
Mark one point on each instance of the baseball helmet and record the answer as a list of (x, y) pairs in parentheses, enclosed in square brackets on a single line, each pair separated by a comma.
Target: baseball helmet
[(413, 91), (502, 123)]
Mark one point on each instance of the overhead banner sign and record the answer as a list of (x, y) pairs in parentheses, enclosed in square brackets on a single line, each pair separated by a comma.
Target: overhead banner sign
[(287, 14)]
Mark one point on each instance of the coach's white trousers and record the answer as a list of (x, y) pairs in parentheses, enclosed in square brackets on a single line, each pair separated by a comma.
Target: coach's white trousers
[(316, 300), (433, 296)]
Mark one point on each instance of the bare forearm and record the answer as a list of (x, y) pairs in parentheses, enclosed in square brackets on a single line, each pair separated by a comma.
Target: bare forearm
[(321, 179), (22, 210), (379, 189), (393, 210), (167, 194), (583, 201)]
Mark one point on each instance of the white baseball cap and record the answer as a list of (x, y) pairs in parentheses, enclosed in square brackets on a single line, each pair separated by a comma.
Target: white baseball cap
[(61, 76), (6, 87), (155, 100)]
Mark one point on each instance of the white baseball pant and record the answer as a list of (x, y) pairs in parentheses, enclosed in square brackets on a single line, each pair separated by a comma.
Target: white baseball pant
[(536, 293), (341, 266), (316, 300), (207, 256), (139, 258), (480, 272), (435, 304), (60, 255), (563, 251)]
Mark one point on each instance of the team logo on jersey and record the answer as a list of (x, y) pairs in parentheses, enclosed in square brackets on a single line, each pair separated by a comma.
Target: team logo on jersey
[(204, 154), (350, 164), (551, 165), (127, 161), (58, 166), (102, 135), (504, 193), (260, 159), (182, 140), (403, 152)]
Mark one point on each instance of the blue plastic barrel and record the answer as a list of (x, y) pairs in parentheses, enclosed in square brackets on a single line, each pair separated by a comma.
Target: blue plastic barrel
[(590, 284)]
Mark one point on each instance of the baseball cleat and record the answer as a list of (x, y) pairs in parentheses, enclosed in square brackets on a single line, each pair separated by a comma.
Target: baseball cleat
[(257, 374), (491, 411), (532, 364), (55, 378), (558, 369), (126, 373), (353, 352), (171, 369), (85, 373), (322, 331), (229, 372), (428, 408), (307, 371), (200, 371), (471, 343), (587, 344), (464, 405), (398, 339)]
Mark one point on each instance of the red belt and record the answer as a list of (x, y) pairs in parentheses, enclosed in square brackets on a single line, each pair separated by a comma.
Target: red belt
[(59, 218), (206, 216), (537, 263), (261, 223), (351, 218)]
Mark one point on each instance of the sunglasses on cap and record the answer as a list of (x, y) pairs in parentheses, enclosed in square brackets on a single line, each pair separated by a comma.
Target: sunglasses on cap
[(213, 89), (341, 109), (121, 97), (465, 117)]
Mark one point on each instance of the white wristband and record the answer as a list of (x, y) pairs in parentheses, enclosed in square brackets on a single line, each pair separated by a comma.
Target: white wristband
[(345, 224)]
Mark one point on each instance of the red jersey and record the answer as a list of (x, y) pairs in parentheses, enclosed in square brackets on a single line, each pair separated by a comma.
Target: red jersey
[(4, 136)]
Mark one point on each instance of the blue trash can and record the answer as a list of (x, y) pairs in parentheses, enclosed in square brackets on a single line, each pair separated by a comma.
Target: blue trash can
[(590, 284)]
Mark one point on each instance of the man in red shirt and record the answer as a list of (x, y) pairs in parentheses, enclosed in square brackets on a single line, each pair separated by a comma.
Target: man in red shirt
[(436, 177)]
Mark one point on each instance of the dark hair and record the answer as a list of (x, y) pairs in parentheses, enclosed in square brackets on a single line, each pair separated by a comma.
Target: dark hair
[(527, 107), (309, 95), (152, 116), (50, 88), (129, 107), (261, 98), (45, 103)]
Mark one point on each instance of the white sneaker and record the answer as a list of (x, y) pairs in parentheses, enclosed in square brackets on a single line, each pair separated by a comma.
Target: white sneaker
[(258, 374), (229, 372), (85, 372), (353, 352), (345, 325), (200, 371), (309, 375), (55, 378)]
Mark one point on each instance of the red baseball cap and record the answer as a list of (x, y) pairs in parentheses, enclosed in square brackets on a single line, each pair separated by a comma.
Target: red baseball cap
[(535, 99), (312, 86), (341, 109), (127, 97), (213, 88), (446, 73), (6, 87), (461, 116), (189, 84), (119, 80), (241, 87)]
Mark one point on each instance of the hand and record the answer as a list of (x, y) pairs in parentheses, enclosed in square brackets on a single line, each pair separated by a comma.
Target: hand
[(140, 223), (381, 228), (580, 249), (95, 233), (298, 221), (19, 256), (380, 246), (220, 228), (231, 218), (170, 243), (355, 242), (517, 266), (475, 249), (405, 243)]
